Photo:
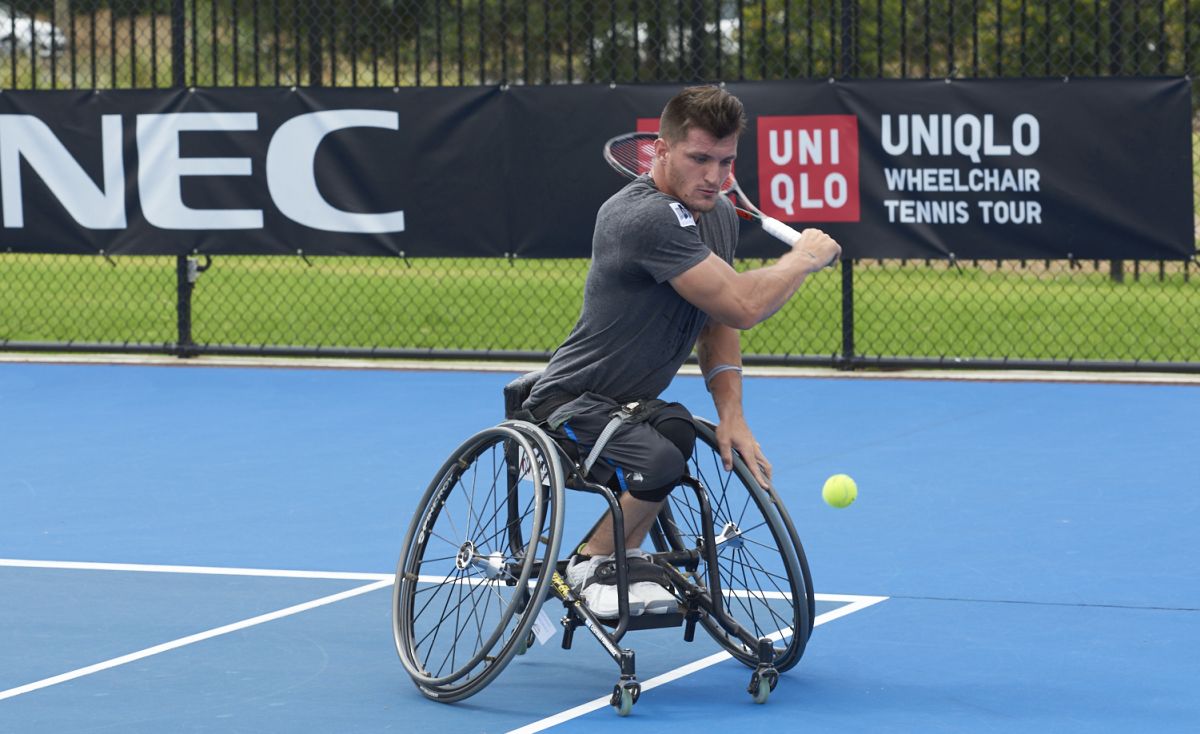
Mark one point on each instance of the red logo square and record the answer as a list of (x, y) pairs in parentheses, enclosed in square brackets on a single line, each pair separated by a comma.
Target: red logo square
[(808, 168)]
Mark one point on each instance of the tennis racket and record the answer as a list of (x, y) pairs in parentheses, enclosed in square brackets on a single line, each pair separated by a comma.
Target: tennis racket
[(632, 154)]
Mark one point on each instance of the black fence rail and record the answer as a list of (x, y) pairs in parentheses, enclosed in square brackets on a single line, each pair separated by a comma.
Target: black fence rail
[(1061, 314)]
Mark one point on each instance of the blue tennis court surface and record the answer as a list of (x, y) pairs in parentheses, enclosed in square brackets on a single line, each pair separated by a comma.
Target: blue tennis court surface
[(210, 549)]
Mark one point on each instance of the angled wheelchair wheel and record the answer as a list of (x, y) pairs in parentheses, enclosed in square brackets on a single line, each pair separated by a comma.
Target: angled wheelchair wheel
[(477, 560), (763, 573)]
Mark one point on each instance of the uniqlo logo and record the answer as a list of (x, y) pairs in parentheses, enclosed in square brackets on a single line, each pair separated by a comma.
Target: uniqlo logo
[(808, 168)]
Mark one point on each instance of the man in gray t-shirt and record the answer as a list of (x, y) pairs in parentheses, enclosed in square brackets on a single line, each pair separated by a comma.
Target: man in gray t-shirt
[(635, 330), (661, 284)]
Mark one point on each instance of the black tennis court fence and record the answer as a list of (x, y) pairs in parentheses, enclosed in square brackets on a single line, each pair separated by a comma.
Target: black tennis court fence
[(1059, 314)]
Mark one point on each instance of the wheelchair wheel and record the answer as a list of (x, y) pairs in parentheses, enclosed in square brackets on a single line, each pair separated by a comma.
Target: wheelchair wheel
[(764, 575), (477, 560)]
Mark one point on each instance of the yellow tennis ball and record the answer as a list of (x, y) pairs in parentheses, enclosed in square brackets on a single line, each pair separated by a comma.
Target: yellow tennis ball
[(839, 490)]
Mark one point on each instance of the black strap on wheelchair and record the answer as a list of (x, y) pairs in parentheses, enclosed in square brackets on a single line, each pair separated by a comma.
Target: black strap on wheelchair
[(635, 412), (640, 569)]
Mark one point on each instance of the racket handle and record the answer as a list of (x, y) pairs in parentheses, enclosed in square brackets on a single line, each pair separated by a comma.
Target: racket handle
[(779, 230)]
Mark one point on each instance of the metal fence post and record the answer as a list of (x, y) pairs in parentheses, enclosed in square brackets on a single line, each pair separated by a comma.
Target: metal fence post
[(847, 360), (698, 61), (849, 49), (316, 73), (849, 62), (184, 346), (185, 279), (1115, 53), (178, 44)]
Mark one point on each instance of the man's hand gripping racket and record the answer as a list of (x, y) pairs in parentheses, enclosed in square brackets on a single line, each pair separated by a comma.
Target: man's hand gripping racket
[(632, 154)]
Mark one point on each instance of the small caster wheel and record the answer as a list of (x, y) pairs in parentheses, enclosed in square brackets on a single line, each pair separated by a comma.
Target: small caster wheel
[(762, 692), (762, 682), (624, 696)]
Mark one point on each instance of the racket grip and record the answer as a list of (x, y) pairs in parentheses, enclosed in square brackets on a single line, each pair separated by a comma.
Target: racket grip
[(779, 230)]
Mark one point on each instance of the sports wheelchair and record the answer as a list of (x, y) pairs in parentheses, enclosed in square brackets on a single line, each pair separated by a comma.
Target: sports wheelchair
[(482, 555)]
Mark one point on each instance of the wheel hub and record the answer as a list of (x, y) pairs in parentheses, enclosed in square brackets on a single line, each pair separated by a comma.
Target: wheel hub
[(466, 554), (730, 537), (468, 557)]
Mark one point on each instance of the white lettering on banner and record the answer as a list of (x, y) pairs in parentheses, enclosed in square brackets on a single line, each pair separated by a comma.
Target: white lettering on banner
[(834, 192), (25, 136), (291, 176), (808, 142), (806, 178), (958, 212), (1011, 212), (290, 173), (973, 137), (927, 212), (160, 169), (953, 179), (966, 135)]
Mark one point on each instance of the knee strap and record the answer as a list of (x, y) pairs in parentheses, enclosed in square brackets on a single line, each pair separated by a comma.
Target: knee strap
[(681, 433)]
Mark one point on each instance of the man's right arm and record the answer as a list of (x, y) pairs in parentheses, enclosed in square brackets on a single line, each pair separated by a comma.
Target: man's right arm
[(742, 300)]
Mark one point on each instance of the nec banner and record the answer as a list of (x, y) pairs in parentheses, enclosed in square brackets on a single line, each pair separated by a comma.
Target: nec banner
[(1093, 168)]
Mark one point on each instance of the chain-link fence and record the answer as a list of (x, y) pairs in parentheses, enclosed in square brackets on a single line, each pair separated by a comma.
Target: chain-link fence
[(1111, 314)]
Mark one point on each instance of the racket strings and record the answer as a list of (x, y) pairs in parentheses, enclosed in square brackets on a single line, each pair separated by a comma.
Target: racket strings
[(631, 155)]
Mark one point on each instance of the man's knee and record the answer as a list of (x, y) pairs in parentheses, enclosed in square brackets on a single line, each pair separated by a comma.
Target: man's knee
[(668, 462), (682, 433)]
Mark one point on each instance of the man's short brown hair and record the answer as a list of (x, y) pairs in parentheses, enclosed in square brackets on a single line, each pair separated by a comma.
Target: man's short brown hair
[(708, 108)]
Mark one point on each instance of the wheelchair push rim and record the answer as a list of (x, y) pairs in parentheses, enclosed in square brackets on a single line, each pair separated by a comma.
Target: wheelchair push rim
[(766, 584), (470, 562)]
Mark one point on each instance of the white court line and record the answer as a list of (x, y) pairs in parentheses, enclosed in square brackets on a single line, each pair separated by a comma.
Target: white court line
[(203, 570), (378, 582), (853, 603), (856, 604)]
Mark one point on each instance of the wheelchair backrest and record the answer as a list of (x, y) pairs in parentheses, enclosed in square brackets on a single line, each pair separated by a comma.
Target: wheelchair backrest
[(515, 394)]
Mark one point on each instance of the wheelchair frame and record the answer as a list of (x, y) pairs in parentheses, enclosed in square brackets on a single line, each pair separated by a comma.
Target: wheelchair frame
[(534, 465)]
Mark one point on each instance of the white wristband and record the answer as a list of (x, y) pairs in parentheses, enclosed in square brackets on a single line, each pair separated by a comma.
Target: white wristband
[(718, 370)]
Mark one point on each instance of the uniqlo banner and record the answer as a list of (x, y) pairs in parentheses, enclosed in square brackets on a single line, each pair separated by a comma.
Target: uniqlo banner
[(1084, 168)]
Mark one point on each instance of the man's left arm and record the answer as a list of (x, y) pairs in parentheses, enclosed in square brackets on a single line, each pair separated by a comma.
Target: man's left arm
[(719, 351)]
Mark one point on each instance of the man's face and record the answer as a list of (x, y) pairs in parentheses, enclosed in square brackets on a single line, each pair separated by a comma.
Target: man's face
[(693, 169)]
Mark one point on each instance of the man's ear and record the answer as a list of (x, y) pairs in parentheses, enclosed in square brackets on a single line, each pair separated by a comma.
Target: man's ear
[(661, 148)]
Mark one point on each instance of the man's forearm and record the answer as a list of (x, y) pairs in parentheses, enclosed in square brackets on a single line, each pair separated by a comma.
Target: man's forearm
[(720, 346)]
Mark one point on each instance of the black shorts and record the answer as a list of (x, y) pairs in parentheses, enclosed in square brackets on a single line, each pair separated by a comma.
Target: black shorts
[(637, 456)]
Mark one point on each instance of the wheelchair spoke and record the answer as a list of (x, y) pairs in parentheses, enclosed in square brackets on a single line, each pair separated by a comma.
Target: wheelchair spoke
[(498, 531), (754, 604), (781, 623), (763, 583)]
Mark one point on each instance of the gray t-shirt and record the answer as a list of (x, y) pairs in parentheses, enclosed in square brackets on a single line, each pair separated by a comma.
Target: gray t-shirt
[(635, 330)]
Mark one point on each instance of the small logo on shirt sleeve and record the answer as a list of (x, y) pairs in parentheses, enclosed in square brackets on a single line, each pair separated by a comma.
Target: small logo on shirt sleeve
[(682, 214)]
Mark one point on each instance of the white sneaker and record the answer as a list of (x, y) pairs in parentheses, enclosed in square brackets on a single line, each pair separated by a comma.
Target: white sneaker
[(600, 598), (653, 598)]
